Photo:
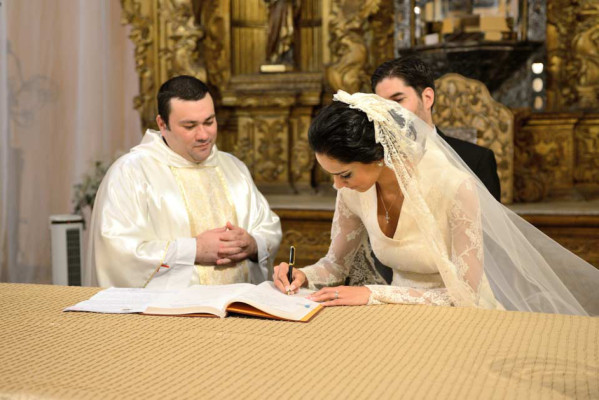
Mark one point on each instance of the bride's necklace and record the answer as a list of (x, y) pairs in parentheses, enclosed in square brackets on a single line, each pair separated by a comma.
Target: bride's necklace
[(384, 206)]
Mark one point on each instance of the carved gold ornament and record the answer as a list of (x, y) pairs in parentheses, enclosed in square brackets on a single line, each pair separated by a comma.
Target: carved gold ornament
[(466, 103)]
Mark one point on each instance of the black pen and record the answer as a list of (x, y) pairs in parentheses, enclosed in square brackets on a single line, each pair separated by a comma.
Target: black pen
[(291, 262)]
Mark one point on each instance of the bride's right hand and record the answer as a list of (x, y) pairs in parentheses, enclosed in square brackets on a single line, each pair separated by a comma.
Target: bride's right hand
[(282, 283)]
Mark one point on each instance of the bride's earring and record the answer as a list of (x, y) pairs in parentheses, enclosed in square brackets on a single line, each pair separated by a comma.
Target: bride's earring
[(380, 164)]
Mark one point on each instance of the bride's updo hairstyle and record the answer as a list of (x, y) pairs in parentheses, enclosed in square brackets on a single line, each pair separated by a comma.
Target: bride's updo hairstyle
[(344, 134)]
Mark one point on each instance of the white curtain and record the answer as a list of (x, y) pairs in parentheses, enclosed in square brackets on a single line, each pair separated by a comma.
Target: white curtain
[(67, 82)]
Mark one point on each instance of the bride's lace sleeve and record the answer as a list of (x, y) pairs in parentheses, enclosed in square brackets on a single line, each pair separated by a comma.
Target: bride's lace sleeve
[(347, 235), (466, 239), (381, 294), (465, 259)]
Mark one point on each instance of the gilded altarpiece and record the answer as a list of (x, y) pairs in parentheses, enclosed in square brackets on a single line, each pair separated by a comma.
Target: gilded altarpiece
[(557, 151), (264, 118)]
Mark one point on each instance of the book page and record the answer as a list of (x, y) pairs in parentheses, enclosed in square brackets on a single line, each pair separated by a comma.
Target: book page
[(198, 299), (118, 301), (268, 298)]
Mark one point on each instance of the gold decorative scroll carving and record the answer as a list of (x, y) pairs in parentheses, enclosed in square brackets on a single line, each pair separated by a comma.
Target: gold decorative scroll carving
[(347, 28), (271, 143), (572, 55), (179, 37), (140, 15), (262, 143), (166, 37), (466, 103)]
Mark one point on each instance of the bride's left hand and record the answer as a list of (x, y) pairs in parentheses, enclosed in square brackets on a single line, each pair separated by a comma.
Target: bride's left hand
[(342, 296)]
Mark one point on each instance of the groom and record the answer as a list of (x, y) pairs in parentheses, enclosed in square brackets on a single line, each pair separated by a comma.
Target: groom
[(409, 81)]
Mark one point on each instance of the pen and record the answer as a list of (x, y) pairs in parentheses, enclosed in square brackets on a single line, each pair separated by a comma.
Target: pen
[(291, 262)]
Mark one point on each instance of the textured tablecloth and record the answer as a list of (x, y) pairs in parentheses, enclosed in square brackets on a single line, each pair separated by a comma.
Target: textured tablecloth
[(390, 351)]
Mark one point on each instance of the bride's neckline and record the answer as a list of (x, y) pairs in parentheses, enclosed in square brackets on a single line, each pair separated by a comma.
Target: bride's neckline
[(373, 193)]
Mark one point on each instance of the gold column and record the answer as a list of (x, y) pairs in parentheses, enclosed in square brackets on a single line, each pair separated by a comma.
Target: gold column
[(309, 45), (249, 26)]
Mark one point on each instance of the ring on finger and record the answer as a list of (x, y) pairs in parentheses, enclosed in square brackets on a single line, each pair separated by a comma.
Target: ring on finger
[(336, 294)]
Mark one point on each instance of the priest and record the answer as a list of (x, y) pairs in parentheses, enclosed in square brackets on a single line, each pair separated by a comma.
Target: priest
[(175, 211)]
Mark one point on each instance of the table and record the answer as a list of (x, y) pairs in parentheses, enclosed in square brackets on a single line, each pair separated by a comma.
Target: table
[(390, 351)]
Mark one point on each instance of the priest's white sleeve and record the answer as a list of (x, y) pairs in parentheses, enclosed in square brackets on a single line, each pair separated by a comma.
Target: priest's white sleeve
[(132, 229), (177, 268)]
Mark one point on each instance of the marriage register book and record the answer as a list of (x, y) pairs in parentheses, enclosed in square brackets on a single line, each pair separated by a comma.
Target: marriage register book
[(263, 300)]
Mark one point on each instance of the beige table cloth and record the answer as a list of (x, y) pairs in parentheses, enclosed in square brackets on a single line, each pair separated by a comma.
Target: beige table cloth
[(387, 351)]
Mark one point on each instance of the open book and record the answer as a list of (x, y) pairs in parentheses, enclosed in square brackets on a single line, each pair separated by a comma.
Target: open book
[(263, 300)]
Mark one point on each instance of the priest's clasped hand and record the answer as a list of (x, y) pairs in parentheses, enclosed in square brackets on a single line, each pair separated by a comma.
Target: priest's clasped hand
[(226, 245)]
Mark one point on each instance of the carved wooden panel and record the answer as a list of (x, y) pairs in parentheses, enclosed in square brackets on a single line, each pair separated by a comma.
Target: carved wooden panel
[(262, 143), (309, 231), (462, 102), (544, 156), (301, 157), (270, 147), (586, 138), (577, 233), (271, 117), (557, 156)]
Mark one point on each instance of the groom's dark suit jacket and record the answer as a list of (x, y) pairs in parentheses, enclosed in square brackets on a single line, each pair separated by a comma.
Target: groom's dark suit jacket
[(480, 160)]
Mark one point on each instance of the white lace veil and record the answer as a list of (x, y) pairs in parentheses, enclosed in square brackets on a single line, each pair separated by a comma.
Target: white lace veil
[(525, 269)]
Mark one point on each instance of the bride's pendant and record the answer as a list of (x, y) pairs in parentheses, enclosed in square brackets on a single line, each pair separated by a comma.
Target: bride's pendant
[(386, 217)]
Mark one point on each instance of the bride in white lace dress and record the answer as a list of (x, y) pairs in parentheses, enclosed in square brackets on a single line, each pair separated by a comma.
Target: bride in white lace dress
[(425, 214)]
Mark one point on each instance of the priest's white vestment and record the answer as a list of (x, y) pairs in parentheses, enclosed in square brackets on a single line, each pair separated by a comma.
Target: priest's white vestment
[(152, 203)]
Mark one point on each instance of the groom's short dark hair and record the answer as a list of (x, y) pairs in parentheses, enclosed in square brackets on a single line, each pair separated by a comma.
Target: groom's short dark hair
[(182, 87), (414, 72)]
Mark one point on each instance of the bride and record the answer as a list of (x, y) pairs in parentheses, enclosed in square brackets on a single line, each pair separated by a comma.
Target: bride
[(426, 215)]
